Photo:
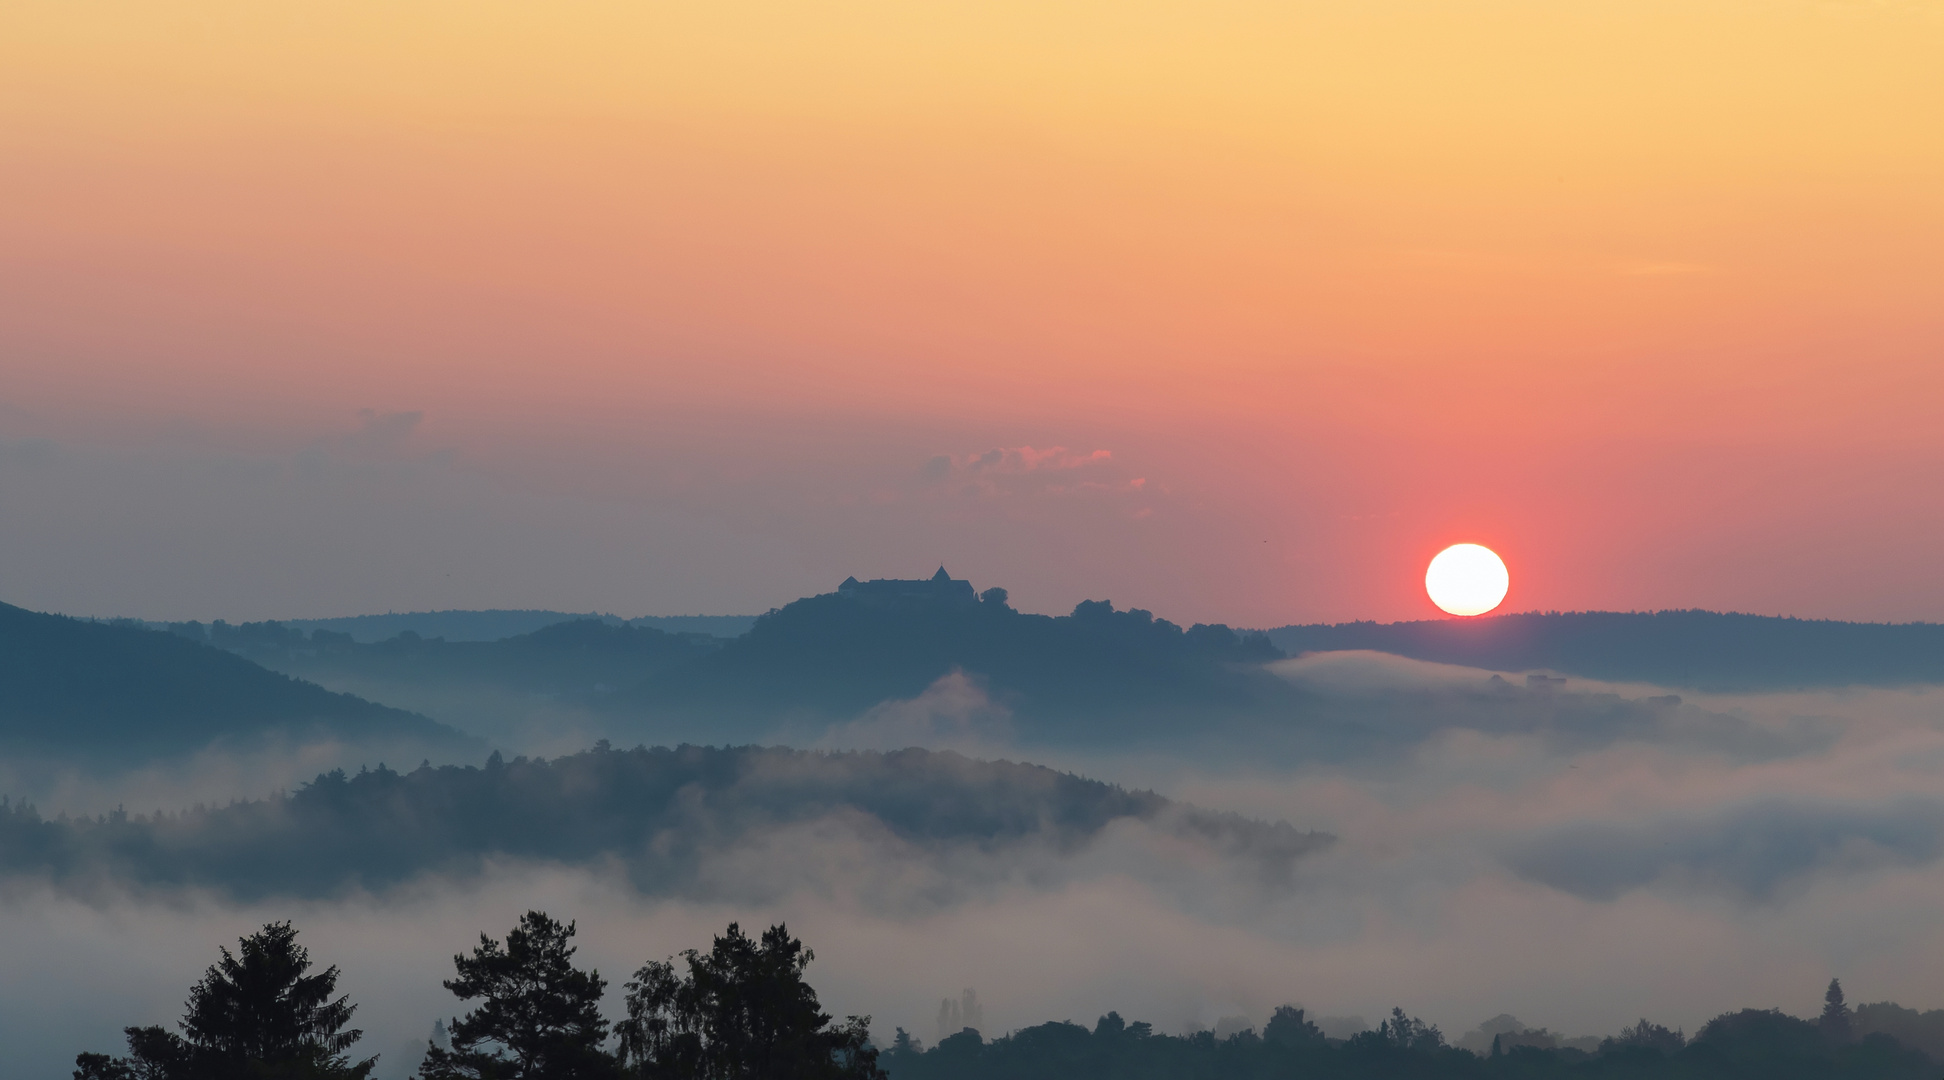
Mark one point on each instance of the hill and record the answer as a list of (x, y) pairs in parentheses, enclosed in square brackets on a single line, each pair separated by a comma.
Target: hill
[(1700, 649), (496, 624), (70, 687), (1096, 670), (526, 690), (813, 662), (574, 659), (688, 821)]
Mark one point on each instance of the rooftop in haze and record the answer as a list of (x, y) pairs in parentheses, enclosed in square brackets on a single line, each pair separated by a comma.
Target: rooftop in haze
[(939, 588)]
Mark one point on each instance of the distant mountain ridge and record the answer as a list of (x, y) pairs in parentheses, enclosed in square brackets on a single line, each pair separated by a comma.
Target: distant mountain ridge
[(837, 654), (1699, 649), (75, 686), (497, 624), (814, 661)]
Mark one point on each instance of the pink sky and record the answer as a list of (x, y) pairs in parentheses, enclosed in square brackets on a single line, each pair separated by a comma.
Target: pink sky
[(1644, 295)]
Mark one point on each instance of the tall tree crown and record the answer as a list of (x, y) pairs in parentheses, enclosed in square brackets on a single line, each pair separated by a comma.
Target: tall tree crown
[(538, 1015), (254, 1014), (741, 1012)]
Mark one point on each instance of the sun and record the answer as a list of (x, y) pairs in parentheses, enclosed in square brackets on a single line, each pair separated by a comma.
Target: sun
[(1467, 579)]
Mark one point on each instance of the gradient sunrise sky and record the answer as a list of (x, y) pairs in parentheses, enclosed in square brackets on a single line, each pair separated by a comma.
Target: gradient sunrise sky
[(1237, 311)]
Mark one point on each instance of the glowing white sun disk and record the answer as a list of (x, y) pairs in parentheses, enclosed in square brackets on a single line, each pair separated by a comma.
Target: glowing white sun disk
[(1467, 579)]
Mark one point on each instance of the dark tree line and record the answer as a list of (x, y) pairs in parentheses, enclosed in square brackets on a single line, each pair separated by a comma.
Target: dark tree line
[(1753, 1044), (658, 812), (1704, 649), (255, 1014), (73, 688), (742, 1011)]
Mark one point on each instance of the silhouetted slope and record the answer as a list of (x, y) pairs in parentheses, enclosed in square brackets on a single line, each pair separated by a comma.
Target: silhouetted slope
[(831, 655), (582, 658), (662, 814), (1753, 1044), (1674, 648), (498, 624), (68, 686), (1918, 1030)]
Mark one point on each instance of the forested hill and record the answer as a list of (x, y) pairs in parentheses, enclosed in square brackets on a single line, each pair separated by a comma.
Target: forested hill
[(70, 686), (740, 822), (836, 655), (1750, 1044), (820, 659), (499, 624), (1701, 649), (579, 658)]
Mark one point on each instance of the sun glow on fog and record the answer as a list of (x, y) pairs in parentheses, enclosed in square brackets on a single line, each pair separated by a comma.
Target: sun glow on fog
[(1467, 579)]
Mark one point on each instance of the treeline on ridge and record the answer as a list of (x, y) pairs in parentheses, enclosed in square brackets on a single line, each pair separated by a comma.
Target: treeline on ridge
[(823, 657), (74, 686), (1704, 649), (660, 813), (743, 1010)]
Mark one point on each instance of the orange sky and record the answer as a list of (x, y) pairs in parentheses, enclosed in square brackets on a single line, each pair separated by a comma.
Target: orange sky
[(1644, 293)]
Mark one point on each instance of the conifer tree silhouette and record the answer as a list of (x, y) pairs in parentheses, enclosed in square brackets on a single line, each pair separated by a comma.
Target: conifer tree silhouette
[(255, 1015), (1835, 1019), (538, 1016), (741, 1012)]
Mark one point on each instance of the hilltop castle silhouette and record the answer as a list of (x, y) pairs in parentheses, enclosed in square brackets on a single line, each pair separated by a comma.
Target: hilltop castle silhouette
[(940, 588)]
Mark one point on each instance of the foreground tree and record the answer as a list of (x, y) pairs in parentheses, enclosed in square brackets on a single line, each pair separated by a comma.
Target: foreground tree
[(742, 1012), (1835, 1019), (538, 1016), (1401, 1033), (1645, 1036), (1289, 1027), (253, 1016)]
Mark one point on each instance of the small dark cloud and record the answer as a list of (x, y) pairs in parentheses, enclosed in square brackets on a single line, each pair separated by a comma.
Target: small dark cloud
[(379, 430), (29, 453), (1024, 470)]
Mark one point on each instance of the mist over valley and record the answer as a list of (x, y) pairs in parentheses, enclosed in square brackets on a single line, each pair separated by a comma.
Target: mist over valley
[(1338, 830)]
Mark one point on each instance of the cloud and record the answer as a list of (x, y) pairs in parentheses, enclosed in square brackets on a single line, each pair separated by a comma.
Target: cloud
[(953, 713), (380, 435), (1759, 852), (1026, 459), (1494, 844), (692, 821), (384, 430), (29, 452), (1665, 269), (1020, 470), (1376, 702)]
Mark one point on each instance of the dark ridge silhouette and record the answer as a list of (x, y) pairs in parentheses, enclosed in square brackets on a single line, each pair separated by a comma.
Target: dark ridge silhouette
[(495, 624), (660, 813), (1919, 1030), (839, 653), (1699, 649), (575, 660), (815, 661), (70, 687), (1734, 1046), (744, 1009)]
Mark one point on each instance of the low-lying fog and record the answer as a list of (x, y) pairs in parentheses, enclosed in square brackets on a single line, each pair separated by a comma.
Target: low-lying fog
[(1577, 855)]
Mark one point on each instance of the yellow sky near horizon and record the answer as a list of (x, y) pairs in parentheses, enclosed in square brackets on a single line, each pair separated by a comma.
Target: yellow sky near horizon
[(1481, 230)]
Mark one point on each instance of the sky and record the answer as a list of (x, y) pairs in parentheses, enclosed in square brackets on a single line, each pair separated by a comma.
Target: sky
[(1236, 311)]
